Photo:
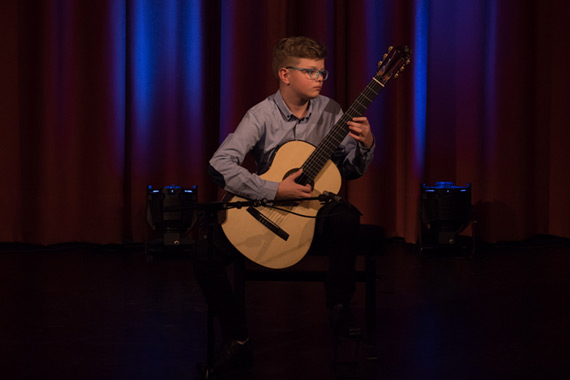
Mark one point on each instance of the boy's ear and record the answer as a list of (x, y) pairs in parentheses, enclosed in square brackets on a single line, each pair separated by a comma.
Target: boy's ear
[(284, 75)]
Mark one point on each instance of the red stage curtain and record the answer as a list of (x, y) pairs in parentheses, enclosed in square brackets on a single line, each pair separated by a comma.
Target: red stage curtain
[(101, 99)]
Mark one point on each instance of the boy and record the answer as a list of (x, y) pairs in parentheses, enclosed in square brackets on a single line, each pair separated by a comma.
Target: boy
[(296, 111)]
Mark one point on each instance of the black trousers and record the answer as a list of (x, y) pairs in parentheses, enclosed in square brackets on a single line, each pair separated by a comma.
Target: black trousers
[(335, 232)]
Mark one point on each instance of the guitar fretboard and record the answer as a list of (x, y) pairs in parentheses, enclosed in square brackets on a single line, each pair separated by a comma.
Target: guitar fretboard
[(332, 140)]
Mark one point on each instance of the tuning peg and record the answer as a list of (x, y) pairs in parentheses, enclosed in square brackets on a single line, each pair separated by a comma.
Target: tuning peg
[(380, 63), (390, 48), (396, 75)]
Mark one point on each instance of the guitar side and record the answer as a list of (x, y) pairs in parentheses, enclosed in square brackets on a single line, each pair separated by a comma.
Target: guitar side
[(262, 245)]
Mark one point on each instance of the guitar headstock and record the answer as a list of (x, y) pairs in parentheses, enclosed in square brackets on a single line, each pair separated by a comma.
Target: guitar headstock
[(393, 63)]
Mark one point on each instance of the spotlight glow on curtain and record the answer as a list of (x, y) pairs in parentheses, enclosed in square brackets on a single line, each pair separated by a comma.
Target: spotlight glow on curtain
[(420, 84), (144, 52)]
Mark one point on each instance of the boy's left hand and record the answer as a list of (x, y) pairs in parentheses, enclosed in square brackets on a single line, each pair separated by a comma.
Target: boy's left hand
[(360, 131)]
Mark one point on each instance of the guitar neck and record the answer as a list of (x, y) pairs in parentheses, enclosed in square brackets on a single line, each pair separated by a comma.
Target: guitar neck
[(394, 62), (332, 140)]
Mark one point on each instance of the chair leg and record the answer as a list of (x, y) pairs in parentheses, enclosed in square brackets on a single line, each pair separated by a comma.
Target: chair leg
[(239, 280), (370, 306), (345, 361)]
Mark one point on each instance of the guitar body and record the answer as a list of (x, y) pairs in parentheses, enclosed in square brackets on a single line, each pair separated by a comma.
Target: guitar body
[(259, 243)]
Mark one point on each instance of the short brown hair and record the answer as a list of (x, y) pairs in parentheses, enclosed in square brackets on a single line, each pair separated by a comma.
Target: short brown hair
[(290, 48)]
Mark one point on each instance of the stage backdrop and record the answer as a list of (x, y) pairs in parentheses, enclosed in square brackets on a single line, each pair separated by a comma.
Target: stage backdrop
[(100, 99)]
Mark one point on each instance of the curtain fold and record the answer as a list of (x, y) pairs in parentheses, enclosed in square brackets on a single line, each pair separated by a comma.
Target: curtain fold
[(102, 99)]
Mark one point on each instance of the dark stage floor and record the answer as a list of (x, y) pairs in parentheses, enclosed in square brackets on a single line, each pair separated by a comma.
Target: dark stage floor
[(91, 312)]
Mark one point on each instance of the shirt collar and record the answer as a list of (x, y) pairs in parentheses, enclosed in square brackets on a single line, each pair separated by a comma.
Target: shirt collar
[(286, 112)]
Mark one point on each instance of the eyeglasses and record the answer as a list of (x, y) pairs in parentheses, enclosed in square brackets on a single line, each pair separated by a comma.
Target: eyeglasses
[(312, 73)]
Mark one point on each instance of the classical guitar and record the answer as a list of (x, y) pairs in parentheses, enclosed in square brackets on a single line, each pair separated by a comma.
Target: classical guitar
[(280, 237)]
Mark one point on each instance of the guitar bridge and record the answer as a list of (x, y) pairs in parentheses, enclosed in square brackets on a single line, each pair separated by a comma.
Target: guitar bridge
[(268, 223)]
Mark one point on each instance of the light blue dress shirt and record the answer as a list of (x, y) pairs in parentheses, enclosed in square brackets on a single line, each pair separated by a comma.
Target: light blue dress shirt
[(267, 126)]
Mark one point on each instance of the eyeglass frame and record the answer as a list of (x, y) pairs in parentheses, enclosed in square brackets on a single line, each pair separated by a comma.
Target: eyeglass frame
[(319, 73)]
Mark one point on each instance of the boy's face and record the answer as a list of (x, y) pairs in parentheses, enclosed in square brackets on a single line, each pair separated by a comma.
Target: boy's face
[(300, 83)]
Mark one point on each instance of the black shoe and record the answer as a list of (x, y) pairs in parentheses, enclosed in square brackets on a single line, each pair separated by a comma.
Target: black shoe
[(342, 321), (231, 356)]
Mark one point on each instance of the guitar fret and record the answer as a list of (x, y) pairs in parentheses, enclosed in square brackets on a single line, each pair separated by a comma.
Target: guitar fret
[(367, 98)]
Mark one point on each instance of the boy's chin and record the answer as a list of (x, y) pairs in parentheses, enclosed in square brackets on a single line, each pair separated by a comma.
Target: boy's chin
[(314, 94)]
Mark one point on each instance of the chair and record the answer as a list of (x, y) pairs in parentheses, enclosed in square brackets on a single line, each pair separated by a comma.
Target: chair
[(371, 244)]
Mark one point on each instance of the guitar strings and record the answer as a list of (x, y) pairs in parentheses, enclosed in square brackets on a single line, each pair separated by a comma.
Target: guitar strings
[(306, 216), (322, 154)]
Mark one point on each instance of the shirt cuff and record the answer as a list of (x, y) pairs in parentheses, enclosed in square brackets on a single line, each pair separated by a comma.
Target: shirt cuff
[(364, 150), (269, 190)]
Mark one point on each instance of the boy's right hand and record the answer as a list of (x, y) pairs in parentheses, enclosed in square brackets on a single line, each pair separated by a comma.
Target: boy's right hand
[(288, 188)]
